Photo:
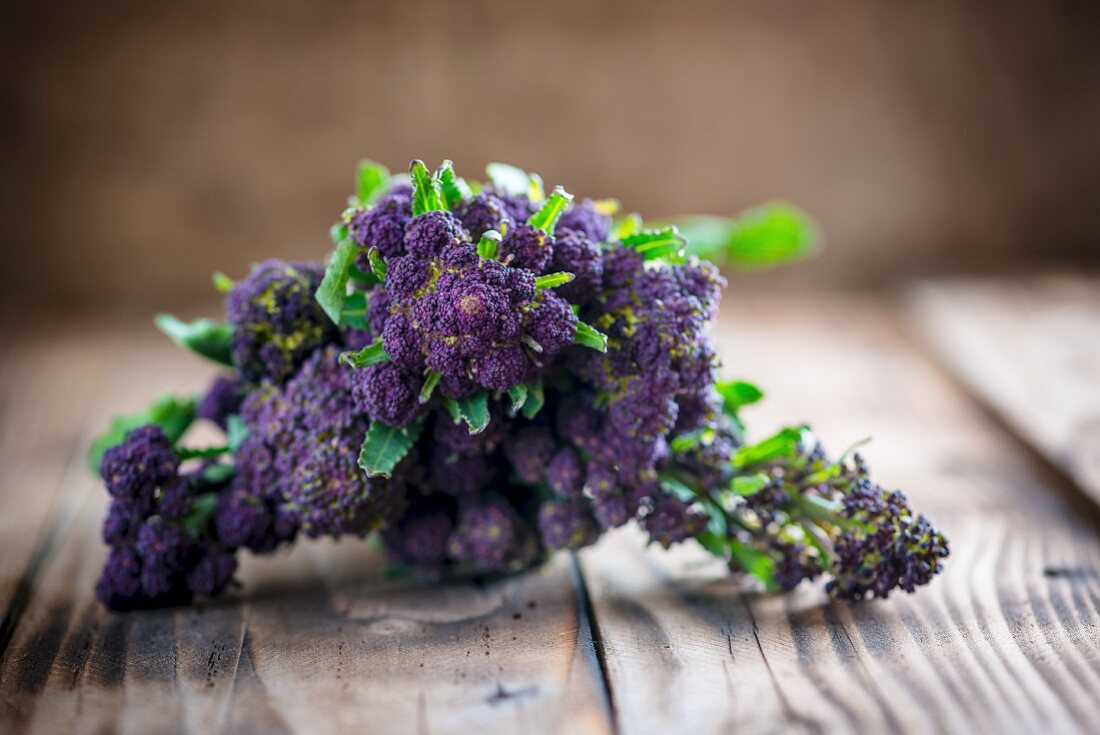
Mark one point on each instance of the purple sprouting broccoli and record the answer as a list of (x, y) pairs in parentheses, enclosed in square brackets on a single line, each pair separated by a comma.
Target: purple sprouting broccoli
[(382, 225), (428, 235), (670, 520), (577, 254), (222, 399), (529, 451), (420, 537), (388, 393), (302, 449), (484, 212), (565, 473), (276, 322), (526, 246)]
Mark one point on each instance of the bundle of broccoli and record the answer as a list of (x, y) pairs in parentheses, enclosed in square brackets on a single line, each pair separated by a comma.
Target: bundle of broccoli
[(481, 376)]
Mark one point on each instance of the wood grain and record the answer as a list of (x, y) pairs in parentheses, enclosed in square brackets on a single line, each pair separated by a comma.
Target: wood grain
[(1030, 350), (1005, 641)]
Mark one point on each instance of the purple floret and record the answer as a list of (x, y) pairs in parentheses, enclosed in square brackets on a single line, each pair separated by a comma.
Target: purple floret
[(530, 451), (382, 225), (134, 468), (222, 399), (482, 213), (565, 473), (525, 246), (567, 525), (490, 536), (421, 538), (429, 234), (213, 571), (459, 475), (276, 321), (387, 393), (586, 219), (378, 309), (119, 586), (501, 368), (671, 520), (551, 324), (574, 253)]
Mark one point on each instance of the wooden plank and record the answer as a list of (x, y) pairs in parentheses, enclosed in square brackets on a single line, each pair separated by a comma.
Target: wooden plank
[(316, 642), (1030, 350), (47, 387), (1005, 641)]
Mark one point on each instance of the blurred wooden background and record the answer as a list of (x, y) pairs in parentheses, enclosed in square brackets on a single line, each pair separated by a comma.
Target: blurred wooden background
[(148, 143)]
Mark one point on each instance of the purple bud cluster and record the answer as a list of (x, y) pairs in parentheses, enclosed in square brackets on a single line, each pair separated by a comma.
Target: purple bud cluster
[(164, 550)]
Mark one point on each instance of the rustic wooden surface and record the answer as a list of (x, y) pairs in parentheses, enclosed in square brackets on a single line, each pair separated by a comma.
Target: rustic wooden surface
[(619, 638)]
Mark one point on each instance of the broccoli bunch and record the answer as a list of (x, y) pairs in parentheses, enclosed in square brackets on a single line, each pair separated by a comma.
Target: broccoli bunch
[(482, 375)]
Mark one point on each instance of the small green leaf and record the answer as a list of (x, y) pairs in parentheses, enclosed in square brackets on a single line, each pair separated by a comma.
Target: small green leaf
[(426, 195), (692, 439), (385, 446), (429, 386), (626, 227), (783, 444), (236, 431), (222, 282), (371, 181), (354, 314), (333, 291), (738, 393), (372, 354), (508, 178), (760, 237), (754, 562), (589, 336), (746, 485), (202, 509), (185, 453), (204, 337), (676, 488), (536, 397), (547, 217), (487, 246), (714, 543), (173, 415), (453, 188), (474, 410), (553, 280), (377, 264), (652, 244), (517, 394)]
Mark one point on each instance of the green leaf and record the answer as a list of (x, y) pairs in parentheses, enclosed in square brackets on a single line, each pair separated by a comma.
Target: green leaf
[(653, 244), (222, 282), (626, 227), (536, 397), (372, 354), (333, 291), (547, 217), (760, 237), (453, 188), (385, 446), (508, 178), (754, 562), (377, 264), (426, 195), (236, 431), (429, 386), (589, 336), (783, 444), (216, 474), (204, 337), (201, 452), (202, 509), (676, 488), (354, 314), (692, 439), (517, 394), (487, 246), (371, 181), (714, 543), (173, 415), (553, 280), (474, 410), (746, 485), (738, 393)]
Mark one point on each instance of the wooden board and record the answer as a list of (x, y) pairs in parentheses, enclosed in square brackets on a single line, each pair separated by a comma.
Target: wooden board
[(621, 639), (1030, 350), (1005, 641)]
